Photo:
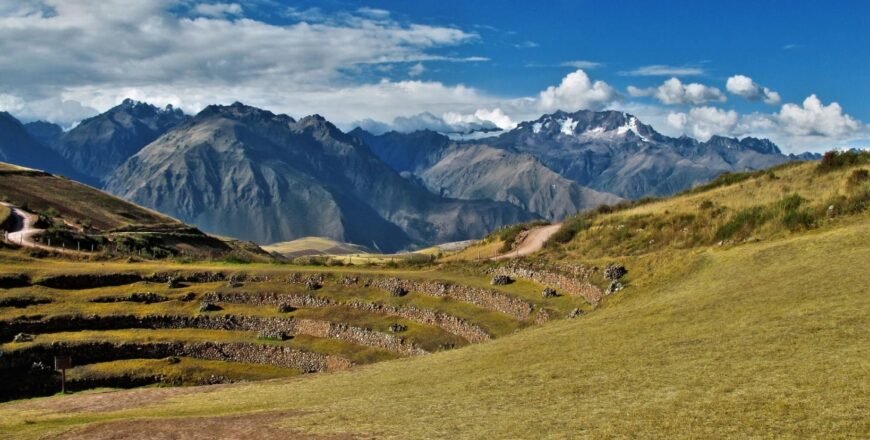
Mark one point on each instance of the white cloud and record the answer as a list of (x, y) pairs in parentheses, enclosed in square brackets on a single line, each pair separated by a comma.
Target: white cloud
[(380, 14), (795, 128), (52, 109), (704, 122), (576, 92), (194, 60), (581, 64), (663, 70), (218, 10), (673, 91), (526, 45), (450, 122), (416, 69), (483, 118), (744, 86), (816, 119)]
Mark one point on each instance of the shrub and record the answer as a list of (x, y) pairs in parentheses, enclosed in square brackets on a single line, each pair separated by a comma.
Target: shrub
[(857, 178), (743, 222), (793, 217), (833, 160), (569, 229)]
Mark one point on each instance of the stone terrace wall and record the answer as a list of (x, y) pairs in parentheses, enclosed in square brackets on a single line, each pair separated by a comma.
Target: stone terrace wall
[(91, 352), (488, 299), (457, 326), (573, 280), (322, 329)]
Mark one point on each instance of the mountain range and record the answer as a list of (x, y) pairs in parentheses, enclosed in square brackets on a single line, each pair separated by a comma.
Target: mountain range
[(246, 172), (251, 174), (98, 145)]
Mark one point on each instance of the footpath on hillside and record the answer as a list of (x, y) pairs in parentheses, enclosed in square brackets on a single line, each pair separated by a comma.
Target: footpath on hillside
[(23, 228), (532, 242)]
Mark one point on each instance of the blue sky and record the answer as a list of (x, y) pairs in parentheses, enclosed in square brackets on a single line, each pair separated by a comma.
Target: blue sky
[(794, 71)]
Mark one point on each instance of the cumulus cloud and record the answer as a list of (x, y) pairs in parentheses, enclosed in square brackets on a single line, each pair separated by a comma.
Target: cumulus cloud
[(449, 123), (663, 70), (52, 109), (744, 86), (673, 91), (199, 55), (482, 118), (813, 118), (576, 92), (795, 128), (704, 122)]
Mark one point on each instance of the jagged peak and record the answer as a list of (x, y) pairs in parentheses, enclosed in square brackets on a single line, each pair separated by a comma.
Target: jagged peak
[(238, 110)]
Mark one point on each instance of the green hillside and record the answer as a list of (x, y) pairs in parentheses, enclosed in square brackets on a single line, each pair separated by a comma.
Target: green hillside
[(758, 331), (79, 216)]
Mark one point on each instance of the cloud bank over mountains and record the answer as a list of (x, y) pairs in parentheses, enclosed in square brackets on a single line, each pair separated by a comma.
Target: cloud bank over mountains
[(82, 57)]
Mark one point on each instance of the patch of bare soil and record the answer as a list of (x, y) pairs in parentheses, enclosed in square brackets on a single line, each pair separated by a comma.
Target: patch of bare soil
[(533, 242), (113, 400), (259, 426)]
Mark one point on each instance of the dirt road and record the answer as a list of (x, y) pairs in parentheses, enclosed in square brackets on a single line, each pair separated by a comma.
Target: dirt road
[(23, 230), (533, 242)]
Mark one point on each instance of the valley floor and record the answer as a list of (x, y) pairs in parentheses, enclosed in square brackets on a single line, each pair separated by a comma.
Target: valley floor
[(766, 339)]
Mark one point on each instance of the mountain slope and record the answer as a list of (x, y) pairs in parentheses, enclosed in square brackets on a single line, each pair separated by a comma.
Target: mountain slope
[(18, 147), (99, 144), (244, 172), (79, 213), (46, 133), (479, 172), (614, 152)]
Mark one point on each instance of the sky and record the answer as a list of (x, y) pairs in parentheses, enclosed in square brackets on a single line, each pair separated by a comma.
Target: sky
[(793, 71)]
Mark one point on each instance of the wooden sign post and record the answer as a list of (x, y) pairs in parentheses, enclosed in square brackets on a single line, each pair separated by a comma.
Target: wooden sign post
[(62, 363)]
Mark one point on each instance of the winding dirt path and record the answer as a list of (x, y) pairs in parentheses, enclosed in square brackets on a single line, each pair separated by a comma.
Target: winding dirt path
[(533, 242), (23, 230)]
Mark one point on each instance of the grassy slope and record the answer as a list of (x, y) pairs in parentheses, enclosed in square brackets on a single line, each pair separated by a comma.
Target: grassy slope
[(185, 370), (74, 201), (4, 214), (767, 339)]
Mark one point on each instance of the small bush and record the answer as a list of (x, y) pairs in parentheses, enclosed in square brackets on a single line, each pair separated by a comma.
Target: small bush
[(793, 217), (857, 178), (743, 222), (569, 229), (833, 160)]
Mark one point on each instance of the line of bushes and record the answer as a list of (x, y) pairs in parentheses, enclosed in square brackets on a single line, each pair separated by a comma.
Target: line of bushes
[(834, 160)]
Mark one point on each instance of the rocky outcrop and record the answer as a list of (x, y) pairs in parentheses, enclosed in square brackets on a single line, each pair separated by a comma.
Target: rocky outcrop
[(570, 279), (614, 272), (501, 280), (451, 324)]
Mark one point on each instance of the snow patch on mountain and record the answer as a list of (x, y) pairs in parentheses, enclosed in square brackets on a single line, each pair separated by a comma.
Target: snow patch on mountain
[(568, 126)]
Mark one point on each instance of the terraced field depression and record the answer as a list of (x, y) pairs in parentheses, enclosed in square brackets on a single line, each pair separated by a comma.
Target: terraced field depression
[(196, 326)]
